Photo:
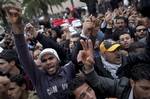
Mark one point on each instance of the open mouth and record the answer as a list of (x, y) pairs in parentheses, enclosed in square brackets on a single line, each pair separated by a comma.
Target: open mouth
[(126, 44), (51, 68)]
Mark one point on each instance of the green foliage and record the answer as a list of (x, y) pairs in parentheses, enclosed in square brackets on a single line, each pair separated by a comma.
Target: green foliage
[(2, 12), (32, 8), (38, 7)]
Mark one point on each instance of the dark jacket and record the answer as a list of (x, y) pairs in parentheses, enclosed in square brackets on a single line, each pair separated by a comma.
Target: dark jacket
[(47, 86), (99, 67), (133, 59), (119, 88), (127, 62)]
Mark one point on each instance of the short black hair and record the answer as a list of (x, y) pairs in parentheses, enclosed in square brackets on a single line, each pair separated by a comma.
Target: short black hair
[(121, 18), (18, 79), (125, 32), (140, 71), (75, 83), (9, 55), (117, 33)]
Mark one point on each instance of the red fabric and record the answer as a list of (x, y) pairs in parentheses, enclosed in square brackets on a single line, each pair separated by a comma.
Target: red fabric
[(58, 22)]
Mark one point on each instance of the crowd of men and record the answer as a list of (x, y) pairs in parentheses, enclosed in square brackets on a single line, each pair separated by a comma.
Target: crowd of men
[(104, 56)]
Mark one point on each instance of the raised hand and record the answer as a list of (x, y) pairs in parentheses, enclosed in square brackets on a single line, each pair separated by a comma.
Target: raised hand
[(14, 14), (29, 28), (108, 16), (88, 26), (86, 55)]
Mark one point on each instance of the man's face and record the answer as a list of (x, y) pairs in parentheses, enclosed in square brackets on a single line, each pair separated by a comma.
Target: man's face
[(4, 84), (5, 67), (132, 22), (50, 63), (125, 40), (141, 89), (73, 42), (84, 92), (113, 57), (120, 24), (141, 32), (15, 91), (36, 54)]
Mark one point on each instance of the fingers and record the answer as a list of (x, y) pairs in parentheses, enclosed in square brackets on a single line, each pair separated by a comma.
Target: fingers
[(84, 44), (89, 61), (29, 27), (10, 8), (87, 44), (90, 44), (86, 55), (15, 5), (80, 74), (90, 48), (89, 19), (88, 65), (13, 13)]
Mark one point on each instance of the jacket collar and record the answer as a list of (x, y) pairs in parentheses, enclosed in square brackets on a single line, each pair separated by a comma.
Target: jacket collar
[(112, 68), (131, 94)]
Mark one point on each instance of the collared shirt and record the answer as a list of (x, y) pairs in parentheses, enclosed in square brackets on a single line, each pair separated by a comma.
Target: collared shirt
[(131, 94)]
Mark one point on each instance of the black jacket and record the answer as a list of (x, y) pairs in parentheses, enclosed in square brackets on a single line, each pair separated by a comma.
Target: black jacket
[(119, 88), (99, 67), (133, 59), (127, 62)]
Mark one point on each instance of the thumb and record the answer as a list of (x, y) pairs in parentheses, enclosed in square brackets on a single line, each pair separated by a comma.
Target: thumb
[(89, 61)]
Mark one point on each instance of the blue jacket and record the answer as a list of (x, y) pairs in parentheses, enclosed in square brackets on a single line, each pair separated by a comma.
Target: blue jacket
[(47, 87)]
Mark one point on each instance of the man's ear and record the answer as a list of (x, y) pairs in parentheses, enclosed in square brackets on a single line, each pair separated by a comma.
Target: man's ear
[(12, 63), (132, 83)]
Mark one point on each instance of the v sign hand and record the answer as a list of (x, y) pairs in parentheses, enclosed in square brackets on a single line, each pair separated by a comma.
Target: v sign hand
[(86, 55)]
